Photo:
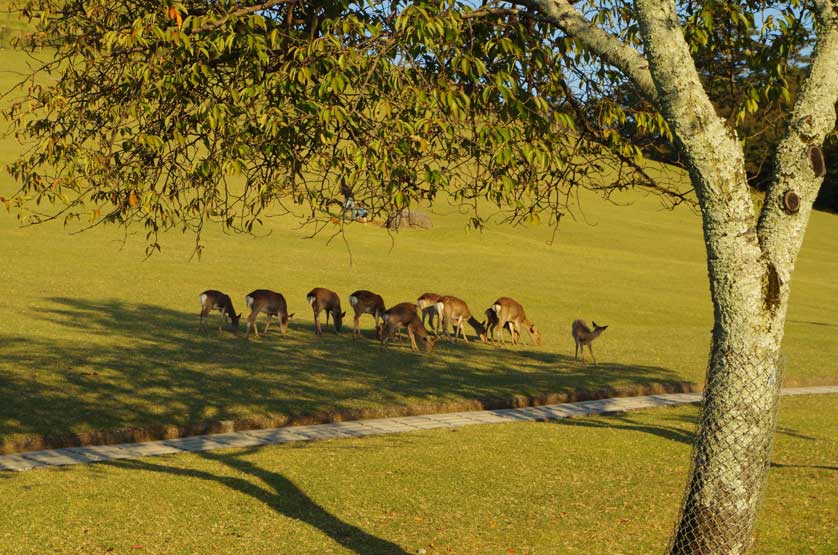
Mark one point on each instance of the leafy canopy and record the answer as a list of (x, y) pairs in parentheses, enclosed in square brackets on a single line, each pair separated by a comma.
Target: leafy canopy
[(179, 114)]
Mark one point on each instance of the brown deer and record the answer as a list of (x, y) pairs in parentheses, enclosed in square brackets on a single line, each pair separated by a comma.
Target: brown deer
[(366, 302), (405, 315), (453, 310), (582, 335), (216, 300), (510, 311), (272, 304), (322, 299), (427, 304), (491, 323)]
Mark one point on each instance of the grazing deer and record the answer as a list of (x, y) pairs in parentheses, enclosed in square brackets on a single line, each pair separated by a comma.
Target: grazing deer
[(322, 299), (453, 310), (272, 304), (582, 335), (427, 304), (216, 300), (511, 311), (491, 323), (405, 315), (366, 302)]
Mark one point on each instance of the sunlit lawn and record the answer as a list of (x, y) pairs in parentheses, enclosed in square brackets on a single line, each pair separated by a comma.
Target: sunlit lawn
[(588, 486)]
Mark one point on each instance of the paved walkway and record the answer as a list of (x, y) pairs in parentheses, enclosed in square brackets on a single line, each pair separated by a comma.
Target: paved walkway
[(356, 428)]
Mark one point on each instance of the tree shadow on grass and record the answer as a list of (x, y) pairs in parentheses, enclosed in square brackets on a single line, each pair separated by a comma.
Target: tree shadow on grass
[(112, 364), (280, 494), (673, 427)]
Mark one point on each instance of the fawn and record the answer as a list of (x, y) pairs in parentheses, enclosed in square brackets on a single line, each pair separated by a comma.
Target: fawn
[(511, 311), (405, 315), (427, 304), (322, 299), (272, 304), (216, 300), (366, 302), (451, 309), (582, 335), (491, 323)]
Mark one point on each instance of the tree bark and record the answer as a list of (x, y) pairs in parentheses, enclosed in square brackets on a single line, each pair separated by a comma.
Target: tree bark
[(750, 271)]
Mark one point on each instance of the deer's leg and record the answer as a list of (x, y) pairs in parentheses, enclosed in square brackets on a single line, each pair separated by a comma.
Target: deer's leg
[(251, 322), (576, 353), (412, 339), (591, 348), (267, 324), (317, 322)]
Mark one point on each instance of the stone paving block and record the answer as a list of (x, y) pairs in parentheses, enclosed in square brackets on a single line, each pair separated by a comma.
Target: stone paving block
[(151, 448), (491, 418), (238, 440), (570, 409), (18, 463), (452, 420), (51, 457), (320, 431), (108, 452), (88, 454), (519, 415), (355, 429), (195, 443), (275, 435)]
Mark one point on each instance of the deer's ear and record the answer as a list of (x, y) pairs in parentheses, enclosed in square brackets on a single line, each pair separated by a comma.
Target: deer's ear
[(240, 315), (344, 314), (291, 315), (594, 323), (483, 323)]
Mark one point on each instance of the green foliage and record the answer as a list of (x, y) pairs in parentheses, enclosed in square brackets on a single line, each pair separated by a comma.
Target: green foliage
[(173, 116)]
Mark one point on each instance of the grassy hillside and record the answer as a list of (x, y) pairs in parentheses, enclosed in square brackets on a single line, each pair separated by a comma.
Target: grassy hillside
[(96, 337), (591, 485)]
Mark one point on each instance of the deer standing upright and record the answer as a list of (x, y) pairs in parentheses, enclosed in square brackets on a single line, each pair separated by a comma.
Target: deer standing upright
[(455, 311), (366, 302), (491, 323), (216, 300), (582, 335), (405, 315), (510, 311), (427, 304), (272, 304), (322, 299)]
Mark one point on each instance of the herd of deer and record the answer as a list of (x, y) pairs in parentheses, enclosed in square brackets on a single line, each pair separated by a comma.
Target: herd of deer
[(437, 310)]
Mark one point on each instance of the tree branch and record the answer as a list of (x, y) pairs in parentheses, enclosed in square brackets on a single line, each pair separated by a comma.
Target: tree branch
[(608, 47), (796, 165)]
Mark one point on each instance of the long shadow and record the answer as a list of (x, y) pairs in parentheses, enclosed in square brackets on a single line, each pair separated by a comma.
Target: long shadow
[(113, 364), (281, 495), (682, 429)]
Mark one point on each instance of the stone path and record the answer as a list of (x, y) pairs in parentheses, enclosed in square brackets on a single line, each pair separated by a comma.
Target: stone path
[(357, 428)]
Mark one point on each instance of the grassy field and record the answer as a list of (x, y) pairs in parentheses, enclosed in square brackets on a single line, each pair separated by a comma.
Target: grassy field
[(95, 337), (593, 485)]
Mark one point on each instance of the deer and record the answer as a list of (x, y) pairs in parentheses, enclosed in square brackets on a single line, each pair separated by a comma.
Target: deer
[(491, 323), (322, 299), (427, 304), (405, 315), (451, 309), (582, 335), (216, 300), (510, 311), (366, 302), (272, 304)]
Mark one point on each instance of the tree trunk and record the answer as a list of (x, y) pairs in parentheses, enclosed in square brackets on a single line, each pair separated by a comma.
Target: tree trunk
[(750, 271)]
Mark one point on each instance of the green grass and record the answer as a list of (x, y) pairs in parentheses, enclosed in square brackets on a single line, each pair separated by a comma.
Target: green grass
[(595, 485), (95, 337)]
